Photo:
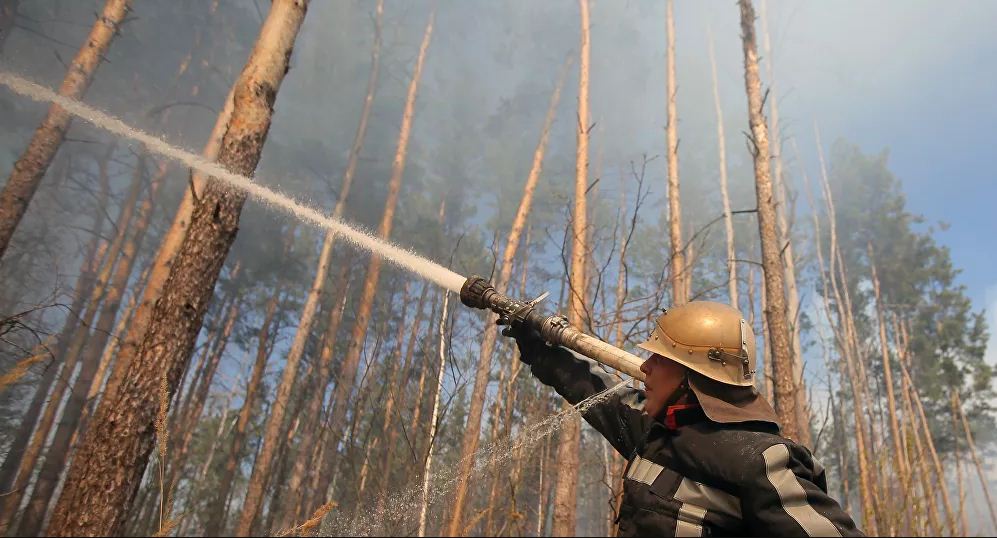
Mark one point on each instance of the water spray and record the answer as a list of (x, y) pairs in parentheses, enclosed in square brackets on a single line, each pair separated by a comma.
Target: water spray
[(477, 292)]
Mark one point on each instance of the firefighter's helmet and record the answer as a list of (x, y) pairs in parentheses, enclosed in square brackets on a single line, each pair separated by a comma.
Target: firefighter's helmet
[(707, 337)]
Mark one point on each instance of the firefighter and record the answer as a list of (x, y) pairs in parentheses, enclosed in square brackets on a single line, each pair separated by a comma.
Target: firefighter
[(704, 450)]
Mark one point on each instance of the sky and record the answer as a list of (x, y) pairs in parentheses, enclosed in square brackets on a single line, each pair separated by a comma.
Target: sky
[(916, 78)]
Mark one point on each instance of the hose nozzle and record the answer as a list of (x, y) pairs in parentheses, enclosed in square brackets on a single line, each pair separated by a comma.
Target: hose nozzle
[(477, 292)]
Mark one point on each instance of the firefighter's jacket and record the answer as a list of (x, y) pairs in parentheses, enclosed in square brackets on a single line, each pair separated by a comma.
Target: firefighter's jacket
[(689, 476)]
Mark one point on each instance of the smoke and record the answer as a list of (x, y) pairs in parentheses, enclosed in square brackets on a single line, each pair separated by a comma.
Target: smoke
[(359, 238)]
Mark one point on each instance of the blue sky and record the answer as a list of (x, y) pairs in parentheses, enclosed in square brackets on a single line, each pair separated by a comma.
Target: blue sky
[(916, 78)]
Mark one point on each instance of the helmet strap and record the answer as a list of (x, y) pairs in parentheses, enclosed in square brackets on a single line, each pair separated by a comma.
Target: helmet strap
[(681, 391)]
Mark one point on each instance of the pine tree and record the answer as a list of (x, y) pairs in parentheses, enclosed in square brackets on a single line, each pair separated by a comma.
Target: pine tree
[(772, 265), (679, 270), (565, 490), (36, 158), (472, 429), (346, 377), (112, 455)]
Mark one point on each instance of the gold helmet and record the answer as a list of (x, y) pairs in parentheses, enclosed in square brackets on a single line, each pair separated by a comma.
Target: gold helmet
[(709, 338)]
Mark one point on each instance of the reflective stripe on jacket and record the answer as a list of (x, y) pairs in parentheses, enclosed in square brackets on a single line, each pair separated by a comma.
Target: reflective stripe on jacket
[(698, 477)]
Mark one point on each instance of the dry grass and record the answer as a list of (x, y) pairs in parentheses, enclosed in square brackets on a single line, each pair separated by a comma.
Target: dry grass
[(38, 354), (21, 368), (167, 523), (309, 525)]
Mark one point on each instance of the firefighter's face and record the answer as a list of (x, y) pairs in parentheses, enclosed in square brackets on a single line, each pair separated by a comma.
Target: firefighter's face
[(662, 378)]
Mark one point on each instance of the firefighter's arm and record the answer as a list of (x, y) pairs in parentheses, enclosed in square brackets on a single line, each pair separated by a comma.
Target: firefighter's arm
[(784, 494), (620, 419)]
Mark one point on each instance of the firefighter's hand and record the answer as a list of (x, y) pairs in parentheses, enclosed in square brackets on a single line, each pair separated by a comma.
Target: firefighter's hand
[(531, 345)]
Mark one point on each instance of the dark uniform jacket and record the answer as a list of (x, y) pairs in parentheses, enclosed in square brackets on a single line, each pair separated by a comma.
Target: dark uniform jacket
[(689, 476)]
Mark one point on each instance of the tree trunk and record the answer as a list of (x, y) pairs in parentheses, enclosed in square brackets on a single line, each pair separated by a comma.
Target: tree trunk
[(898, 446), (323, 456), (102, 481), (957, 457), (84, 288), (472, 430), (845, 347), (308, 311), (728, 216), (424, 372), (276, 481), (165, 255), (928, 496), (785, 240), (348, 370), (70, 355), (34, 162), (275, 420), (123, 226), (566, 488), (680, 290), (192, 414), (427, 460), (107, 357), (216, 525), (58, 451), (957, 405), (396, 390), (772, 264)]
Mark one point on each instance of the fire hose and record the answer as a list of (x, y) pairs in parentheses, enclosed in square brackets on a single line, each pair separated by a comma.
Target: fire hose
[(477, 292)]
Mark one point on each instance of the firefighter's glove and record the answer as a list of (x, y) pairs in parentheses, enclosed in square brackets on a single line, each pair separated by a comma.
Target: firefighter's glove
[(531, 346)]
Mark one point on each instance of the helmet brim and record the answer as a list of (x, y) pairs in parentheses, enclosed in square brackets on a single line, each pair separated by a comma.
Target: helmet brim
[(718, 375)]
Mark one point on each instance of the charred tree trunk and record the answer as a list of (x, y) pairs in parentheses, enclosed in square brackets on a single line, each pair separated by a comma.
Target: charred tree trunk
[(34, 162), (472, 430), (346, 377), (102, 481), (772, 264), (566, 488), (679, 278)]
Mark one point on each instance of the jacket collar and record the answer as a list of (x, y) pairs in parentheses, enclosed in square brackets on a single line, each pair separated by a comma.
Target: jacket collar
[(680, 415)]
